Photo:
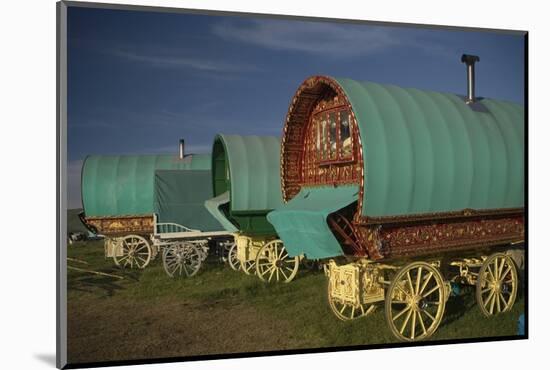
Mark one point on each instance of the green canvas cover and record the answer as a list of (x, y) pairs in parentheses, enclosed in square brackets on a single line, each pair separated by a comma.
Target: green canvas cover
[(122, 185), (248, 168), (427, 152), (302, 222), (179, 197), (214, 206)]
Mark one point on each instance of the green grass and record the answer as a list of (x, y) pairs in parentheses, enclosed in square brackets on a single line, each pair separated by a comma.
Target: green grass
[(220, 311)]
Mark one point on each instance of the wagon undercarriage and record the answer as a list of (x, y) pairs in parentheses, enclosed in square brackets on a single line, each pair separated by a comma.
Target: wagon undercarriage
[(414, 294)]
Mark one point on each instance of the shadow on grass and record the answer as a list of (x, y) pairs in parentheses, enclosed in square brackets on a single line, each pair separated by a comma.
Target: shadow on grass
[(89, 282)]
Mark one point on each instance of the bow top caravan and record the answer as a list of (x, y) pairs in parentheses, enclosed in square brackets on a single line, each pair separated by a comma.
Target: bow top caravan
[(396, 155), (401, 193)]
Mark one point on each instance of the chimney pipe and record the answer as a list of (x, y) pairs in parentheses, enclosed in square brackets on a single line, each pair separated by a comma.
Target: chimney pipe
[(470, 61), (182, 147)]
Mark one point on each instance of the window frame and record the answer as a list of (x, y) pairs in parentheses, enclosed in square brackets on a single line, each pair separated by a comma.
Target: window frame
[(316, 118)]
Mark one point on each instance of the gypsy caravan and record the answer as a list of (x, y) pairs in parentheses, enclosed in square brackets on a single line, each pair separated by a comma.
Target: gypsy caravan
[(246, 184), (402, 192), (117, 199)]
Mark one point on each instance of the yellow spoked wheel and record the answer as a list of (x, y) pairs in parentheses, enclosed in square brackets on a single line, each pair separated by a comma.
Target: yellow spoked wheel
[(346, 311), (232, 258), (415, 301), (497, 284), (136, 252), (249, 267), (274, 264)]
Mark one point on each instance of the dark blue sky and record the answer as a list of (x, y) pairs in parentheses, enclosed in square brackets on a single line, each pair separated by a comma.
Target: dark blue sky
[(138, 81)]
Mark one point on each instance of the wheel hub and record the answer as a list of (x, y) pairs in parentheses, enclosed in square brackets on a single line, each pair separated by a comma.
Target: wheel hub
[(278, 263), (417, 302)]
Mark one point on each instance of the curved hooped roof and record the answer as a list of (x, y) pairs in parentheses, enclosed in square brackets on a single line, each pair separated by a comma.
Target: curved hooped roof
[(253, 163), (123, 185), (428, 152)]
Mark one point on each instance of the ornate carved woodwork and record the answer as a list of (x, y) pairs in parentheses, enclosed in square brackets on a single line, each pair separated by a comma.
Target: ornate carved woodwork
[(300, 160), (122, 225), (407, 240), (344, 231)]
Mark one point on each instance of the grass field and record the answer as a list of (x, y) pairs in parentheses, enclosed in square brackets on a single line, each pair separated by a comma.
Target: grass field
[(149, 315)]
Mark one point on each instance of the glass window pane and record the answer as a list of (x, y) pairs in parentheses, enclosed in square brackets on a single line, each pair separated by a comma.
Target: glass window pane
[(345, 134), (333, 139)]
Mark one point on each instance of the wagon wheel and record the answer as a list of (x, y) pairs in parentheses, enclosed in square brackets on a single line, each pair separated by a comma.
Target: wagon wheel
[(347, 311), (136, 252), (203, 251), (274, 264), (497, 284), (248, 267), (182, 259), (233, 259), (415, 301)]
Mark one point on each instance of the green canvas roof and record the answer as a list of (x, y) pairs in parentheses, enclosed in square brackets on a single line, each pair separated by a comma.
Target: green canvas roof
[(302, 222), (123, 185), (253, 166), (248, 168), (179, 197), (428, 152)]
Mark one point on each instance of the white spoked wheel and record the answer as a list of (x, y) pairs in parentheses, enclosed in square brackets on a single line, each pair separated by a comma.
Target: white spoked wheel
[(135, 252), (274, 264), (415, 301), (248, 267), (497, 284), (233, 259), (182, 259)]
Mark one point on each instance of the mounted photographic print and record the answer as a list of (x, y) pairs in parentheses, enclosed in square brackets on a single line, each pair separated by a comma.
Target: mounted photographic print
[(236, 185)]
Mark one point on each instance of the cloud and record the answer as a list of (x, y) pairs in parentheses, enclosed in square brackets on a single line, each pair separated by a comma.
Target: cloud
[(311, 37), (174, 61), (333, 40)]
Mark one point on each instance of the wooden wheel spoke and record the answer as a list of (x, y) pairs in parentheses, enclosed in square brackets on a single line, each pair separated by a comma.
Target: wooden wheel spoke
[(272, 272), (401, 313), (501, 267), (497, 298), (430, 291), (425, 284), (501, 296), (264, 272), (409, 281), (283, 273), (418, 276), (506, 272), (492, 303), (422, 323), (483, 291), (413, 324), (405, 322), (342, 309), (428, 314), (485, 303), (398, 286)]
